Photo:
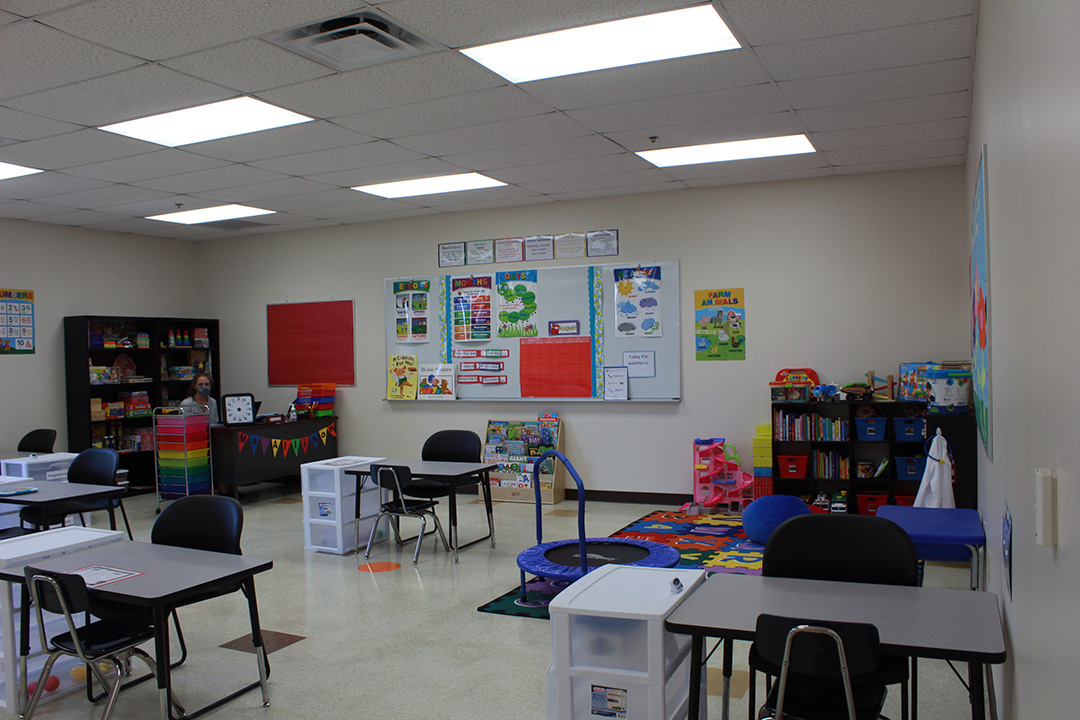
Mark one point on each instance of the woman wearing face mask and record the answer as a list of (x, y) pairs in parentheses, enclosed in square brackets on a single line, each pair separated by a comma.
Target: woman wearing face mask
[(199, 396)]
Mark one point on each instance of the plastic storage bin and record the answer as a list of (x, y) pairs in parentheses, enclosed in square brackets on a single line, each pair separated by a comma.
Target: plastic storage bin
[(792, 466), (869, 502), (909, 429), (611, 656), (329, 497), (910, 468), (51, 466), (871, 429)]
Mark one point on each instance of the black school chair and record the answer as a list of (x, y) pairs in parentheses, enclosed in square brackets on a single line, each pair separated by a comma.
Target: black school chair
[(96, 466), (842, 548), (825, 669), (446, 446), (41, 440), (96, 640), (398, 480)]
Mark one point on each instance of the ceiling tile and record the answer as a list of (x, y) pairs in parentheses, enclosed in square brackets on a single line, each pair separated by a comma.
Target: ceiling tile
[(873, 50), (612, 191), (73, 149), (180, 28), (6, 17), (891, 134), (535, 153), (900, 165), (460, 24), (23, 126), (29, 210), (404, 212), (147, 166), (892, 153), (82, 218), (290, 140), (765, 22), (362, 204), (721, 129), (249, 66), (509, 202), (496, 194), (429, 167), (888, 112), (506, 133), (696, 107), (680, 76), (613, 180), (46, 184), (107, 197), (30, 8), (290, 187), (892, 83), (35, 57), (484, 106), (153, 228), (300, 204), (135, 93), (780, 175), (379, 152), (602, 165), (203, 180), (427, 77), (744, 167)]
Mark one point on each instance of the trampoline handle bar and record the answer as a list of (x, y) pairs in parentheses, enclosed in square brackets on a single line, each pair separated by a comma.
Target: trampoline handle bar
[(581, 503)]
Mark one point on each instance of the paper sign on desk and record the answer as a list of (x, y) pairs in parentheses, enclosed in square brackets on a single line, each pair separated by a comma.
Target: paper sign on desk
[(98, 575), (8, 491)]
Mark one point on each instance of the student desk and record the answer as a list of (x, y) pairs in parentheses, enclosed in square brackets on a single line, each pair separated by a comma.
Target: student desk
[(168, 576), (912, 621), (51, 493), (944, 534), (454, 475)]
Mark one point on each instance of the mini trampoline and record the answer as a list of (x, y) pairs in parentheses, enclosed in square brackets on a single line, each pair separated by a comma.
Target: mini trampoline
[(568, 560)]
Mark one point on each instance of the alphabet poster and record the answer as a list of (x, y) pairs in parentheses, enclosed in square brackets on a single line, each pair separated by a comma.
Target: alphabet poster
[(719, 324)]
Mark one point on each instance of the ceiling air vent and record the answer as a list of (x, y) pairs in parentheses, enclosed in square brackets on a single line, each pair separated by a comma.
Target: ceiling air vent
[(354, 41)]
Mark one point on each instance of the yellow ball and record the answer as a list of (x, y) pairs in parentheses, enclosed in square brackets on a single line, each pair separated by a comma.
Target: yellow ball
[(105, 667), (78, 673)]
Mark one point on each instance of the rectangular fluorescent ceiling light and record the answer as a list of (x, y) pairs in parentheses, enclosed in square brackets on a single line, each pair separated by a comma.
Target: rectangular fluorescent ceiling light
[(211, 214), (207, 122), (430, 186), (726, 151), (7, 171), (666, 35)]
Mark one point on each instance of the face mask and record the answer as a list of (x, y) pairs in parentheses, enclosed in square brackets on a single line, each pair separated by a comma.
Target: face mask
[(202, 389)]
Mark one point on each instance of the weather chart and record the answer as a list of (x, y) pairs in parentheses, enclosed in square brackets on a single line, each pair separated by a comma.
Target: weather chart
[(637, 302), (16, 321)]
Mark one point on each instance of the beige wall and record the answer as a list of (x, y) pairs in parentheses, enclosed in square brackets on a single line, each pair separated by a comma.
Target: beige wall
[(843, 275), (1025, 109), (79, 272)]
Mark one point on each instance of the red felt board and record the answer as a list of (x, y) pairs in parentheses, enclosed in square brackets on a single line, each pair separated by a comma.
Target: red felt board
[(310, 343), (556, 367)]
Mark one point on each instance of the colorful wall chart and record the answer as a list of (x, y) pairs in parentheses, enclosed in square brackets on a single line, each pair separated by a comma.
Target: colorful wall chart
[(471, 313), (980, 312), (16, 322), (638, 309), (720, 324), (517, 303), (411, 303)]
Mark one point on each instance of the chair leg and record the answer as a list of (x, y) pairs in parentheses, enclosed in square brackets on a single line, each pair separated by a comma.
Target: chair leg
[(127, 525), (442, 535), (752, 699), (371, 535), (419, 539), (150, 663), (40, 688)]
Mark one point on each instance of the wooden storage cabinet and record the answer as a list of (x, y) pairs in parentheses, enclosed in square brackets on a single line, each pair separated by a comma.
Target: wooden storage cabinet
[(818, 447), (146, 363), (512, 481)]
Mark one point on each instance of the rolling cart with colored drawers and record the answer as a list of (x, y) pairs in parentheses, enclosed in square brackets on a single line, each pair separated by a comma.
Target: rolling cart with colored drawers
[(182, 453)]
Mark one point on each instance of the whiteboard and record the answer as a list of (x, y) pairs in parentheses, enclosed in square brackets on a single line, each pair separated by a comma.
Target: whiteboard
[(618, 314)]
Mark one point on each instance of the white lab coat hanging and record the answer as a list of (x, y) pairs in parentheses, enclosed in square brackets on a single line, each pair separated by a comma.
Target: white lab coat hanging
[(936, 487)]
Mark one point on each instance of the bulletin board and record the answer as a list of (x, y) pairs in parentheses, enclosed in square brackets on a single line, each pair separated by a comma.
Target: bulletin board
[(310, 343), (545, 333)]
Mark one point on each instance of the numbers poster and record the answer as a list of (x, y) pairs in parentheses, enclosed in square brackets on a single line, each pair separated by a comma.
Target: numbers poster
[(16, 321), (720, 324), (411, 310), (638, 309)]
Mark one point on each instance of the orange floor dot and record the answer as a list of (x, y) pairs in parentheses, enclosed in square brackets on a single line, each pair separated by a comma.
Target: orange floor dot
[(379, 567)]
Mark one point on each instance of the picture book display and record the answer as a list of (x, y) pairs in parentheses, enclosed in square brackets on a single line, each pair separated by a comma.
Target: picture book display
[(402, 378), (516, 445)]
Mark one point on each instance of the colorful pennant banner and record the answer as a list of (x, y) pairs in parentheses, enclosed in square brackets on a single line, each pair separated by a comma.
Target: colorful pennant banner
[(283, 446)]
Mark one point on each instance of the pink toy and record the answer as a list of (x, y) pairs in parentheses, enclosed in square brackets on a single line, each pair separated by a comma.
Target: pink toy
[(718, 479)]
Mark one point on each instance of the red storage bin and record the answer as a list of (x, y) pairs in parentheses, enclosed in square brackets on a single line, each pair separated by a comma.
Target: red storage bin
[(792, 466), (869, 502)]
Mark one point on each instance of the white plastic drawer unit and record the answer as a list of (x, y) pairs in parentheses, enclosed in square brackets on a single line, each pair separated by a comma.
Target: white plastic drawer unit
[(50, 466), (329, 497)]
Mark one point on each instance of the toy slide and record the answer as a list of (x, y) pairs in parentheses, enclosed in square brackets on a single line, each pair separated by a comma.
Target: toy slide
[(718, 479)]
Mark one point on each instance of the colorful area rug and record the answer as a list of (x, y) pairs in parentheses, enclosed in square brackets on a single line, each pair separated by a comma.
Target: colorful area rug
[(715, 543)]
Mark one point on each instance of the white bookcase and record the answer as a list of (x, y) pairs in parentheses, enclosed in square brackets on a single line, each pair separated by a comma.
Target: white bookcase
[(329, 496)]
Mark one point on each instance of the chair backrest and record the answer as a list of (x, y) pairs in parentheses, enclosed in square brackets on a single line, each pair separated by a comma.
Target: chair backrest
[(814, 652), (201, 522), (38, 441), (842, 547), (453, 446), (96, 466), (53, 591), (396, 478)]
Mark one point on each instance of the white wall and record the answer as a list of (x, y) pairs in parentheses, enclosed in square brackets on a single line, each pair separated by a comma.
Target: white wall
[(79, 272), (1025, 109), (843, 275)]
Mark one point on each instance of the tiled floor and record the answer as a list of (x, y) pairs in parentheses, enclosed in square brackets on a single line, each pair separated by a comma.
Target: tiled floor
[(408, 643)]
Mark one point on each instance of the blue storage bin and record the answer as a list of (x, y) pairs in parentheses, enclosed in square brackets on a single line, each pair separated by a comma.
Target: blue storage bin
[(871, 429), (910, 468), (910, 429)]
